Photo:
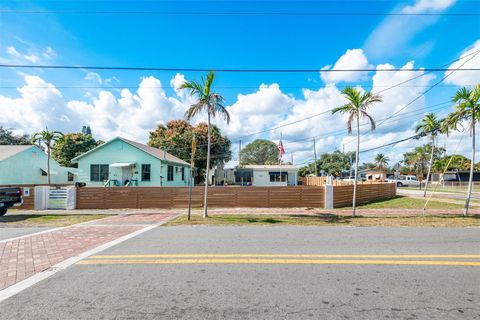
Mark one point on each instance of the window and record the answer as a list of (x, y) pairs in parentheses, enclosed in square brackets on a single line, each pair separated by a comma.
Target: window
[(70, 176), (145, 172), (277, 177), (170, 173), (98, 172), (183, 173)]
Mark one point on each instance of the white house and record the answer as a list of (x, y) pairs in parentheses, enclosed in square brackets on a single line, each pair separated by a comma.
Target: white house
[(273, 175)]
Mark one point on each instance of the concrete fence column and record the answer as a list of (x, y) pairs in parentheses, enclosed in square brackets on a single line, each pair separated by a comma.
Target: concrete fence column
[(328, 196)]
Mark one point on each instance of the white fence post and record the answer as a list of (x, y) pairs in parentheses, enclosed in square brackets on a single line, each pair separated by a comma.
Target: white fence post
[(41, 197), (328, 196)]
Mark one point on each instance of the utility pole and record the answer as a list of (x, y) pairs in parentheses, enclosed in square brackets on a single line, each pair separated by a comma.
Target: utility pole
[(291, 154), (315, 155)]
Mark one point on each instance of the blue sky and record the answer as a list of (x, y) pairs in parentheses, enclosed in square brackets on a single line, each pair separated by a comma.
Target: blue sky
[(129, 103)]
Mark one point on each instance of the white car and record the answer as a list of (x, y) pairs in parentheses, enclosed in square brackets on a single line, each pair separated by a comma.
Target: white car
[(406, 181)]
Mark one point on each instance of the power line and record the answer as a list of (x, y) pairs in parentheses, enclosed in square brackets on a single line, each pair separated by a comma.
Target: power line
[(236, 13), (182, 69)]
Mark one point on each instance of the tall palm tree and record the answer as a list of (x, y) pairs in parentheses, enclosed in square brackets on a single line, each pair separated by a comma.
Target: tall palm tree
[(467, 109), (48, 138), (381, 161), (430, 125), (356, 108), (211, 103)]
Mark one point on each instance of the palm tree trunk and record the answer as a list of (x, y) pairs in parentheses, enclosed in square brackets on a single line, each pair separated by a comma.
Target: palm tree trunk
[(472, 165), (48, 165), (429, 167), (207, 172), (356, 166)]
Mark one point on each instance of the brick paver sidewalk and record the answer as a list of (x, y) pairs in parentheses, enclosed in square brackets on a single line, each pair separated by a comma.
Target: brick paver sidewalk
[(26, 256)]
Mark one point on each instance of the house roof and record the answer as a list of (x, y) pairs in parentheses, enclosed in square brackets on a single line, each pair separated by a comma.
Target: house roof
[(7, 151), (155, 152), (273, 167)]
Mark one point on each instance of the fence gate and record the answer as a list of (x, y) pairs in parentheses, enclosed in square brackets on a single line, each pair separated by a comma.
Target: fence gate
[(54, 198)]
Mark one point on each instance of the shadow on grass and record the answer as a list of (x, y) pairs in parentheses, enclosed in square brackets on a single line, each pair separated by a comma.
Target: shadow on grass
[(24, 217), (325, 217)]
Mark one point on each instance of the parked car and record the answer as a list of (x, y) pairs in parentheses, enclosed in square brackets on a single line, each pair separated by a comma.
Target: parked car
[(8, 198), (406, 181)]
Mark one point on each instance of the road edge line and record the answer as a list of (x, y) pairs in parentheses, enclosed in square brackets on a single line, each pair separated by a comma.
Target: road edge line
[(36, 278)]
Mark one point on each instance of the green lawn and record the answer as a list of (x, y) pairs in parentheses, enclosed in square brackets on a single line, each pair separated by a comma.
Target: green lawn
[(330, 220), (50, 220), (400, 202)]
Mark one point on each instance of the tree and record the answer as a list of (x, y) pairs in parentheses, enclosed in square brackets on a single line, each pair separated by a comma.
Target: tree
[(333, 163), (381, 161), (429, 125), (467, 109), (259, 151), (357, 107), (71, 145), (7, 137), (176, 138), (48, 138), (416, 160), (212, 103), (453, 162)]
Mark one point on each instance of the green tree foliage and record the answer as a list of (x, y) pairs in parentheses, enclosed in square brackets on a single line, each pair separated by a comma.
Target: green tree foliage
[(176, 138), (455, 162), (417, 159), (71, 145), (381, 161), (259, 151), (331, 163), (8, 137)]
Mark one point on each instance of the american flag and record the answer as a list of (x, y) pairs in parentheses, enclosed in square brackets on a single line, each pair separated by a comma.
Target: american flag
[(281, 151)]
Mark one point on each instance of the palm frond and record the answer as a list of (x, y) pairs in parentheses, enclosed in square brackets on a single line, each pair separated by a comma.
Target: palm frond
[(373, 125)]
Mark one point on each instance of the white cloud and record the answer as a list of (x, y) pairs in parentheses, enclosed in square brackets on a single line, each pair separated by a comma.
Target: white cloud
[(351, 59), (252, 112), (33, 55), (394, 34), (466, 78), (422, 6), (93, 76)]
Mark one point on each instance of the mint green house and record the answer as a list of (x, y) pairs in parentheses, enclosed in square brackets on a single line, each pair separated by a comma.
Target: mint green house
[(21, 165), (121, 162)]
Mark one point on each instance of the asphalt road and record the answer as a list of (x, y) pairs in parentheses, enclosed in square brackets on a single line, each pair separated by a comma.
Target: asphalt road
[(132, 280), (8, 232), (438, 194)]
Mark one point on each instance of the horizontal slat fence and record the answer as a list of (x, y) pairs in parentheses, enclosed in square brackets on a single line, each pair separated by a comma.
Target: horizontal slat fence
[(343, 195), (321, 181), (177, 197)]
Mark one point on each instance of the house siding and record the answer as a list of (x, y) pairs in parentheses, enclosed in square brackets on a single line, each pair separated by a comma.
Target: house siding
[(25, 168), (119, 151)]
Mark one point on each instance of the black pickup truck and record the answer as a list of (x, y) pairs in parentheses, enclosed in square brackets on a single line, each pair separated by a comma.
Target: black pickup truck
[(8, 198)]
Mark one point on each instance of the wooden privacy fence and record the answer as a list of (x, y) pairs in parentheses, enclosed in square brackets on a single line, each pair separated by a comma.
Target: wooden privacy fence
[(177, 197), (343, 195)]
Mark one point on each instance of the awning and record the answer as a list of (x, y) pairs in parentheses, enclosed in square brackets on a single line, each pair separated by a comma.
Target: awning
[(122, 164)]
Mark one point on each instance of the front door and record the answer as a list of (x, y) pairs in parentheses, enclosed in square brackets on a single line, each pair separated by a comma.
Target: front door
[(127, 175)]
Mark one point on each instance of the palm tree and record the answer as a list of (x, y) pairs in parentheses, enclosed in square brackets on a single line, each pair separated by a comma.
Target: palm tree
[(356, 107), (211, 103), (48, 138), (467, 109), (381, 161), (430, 125)]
